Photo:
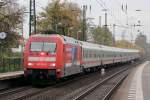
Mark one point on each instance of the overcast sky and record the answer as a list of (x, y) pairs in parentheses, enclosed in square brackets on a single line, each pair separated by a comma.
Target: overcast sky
[(115, 14)]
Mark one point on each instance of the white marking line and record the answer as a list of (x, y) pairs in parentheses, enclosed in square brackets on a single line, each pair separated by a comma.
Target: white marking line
[(131, 97), (131, 92), (136, 92), (9, 74), (42, 59), (68, 64), (132, 88)]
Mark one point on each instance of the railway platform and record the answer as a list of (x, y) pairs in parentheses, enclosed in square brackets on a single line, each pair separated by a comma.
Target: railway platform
[(136, 86), (10, 75)]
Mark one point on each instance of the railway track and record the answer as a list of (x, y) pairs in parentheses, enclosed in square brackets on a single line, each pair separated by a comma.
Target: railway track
[(52, 88), (10, 91), (109, 84), (27, 92), (55, 90), (18, 93), (101, 89), (68, 91)]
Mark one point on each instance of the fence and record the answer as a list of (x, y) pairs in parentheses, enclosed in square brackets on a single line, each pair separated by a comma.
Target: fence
[(10, 64), (10, 61)]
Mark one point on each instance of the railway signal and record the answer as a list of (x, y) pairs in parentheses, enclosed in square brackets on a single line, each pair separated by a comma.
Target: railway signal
[(3, 35)]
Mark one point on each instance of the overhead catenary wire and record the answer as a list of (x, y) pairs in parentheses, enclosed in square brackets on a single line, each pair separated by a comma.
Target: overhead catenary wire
[(104, 6), (117, 22)]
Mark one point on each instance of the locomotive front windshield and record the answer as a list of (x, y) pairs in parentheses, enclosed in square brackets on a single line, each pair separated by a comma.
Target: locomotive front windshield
[(43, 46)]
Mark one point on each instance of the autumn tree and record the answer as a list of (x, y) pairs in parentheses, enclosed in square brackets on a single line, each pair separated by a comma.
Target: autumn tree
[(141, 41), (62, 17), (10, 18), (10, 15), (124, 44), (102, 35), (127, 44)]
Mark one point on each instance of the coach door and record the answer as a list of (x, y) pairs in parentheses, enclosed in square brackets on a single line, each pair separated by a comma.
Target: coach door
[(71, 60), (74, 56), (75, 65)]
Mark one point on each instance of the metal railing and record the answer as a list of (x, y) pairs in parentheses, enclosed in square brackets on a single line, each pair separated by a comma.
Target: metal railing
[(8, 64)]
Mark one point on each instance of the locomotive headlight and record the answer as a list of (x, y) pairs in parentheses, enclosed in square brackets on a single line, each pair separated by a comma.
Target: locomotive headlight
[(42, 53), (53, 64), (30, 64)]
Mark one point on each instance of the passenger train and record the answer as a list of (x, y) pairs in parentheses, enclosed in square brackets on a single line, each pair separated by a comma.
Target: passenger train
[(56, 56)]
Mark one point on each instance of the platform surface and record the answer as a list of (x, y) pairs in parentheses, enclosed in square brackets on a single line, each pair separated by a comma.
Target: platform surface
[(136, 86), (10, 75)]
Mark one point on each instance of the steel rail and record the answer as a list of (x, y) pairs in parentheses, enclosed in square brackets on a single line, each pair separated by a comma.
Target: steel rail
[(97, 84)]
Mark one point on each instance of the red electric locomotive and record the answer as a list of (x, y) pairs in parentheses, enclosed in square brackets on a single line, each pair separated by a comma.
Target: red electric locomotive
[(51, 57), (57, 56)]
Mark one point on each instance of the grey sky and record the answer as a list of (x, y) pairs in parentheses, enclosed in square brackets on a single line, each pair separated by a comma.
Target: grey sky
[(115, 14)]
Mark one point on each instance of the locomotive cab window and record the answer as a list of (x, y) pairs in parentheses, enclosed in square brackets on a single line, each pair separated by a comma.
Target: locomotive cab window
[(43, 46), (36, 46), (49, 47)]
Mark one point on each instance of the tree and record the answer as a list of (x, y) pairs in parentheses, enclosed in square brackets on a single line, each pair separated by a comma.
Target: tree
[(102, 36), (127, 44), (141, 41), (10, 17), (63, 17), (124, 44)]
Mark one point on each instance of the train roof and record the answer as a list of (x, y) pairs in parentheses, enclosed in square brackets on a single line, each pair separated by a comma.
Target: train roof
[(66, 39), (87, 45), (105, 48), (70, 40), (44, 35)]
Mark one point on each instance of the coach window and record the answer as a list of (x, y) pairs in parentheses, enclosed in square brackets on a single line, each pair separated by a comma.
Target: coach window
[(94, 55), (90, 55), (83, 54), (86, 54)]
